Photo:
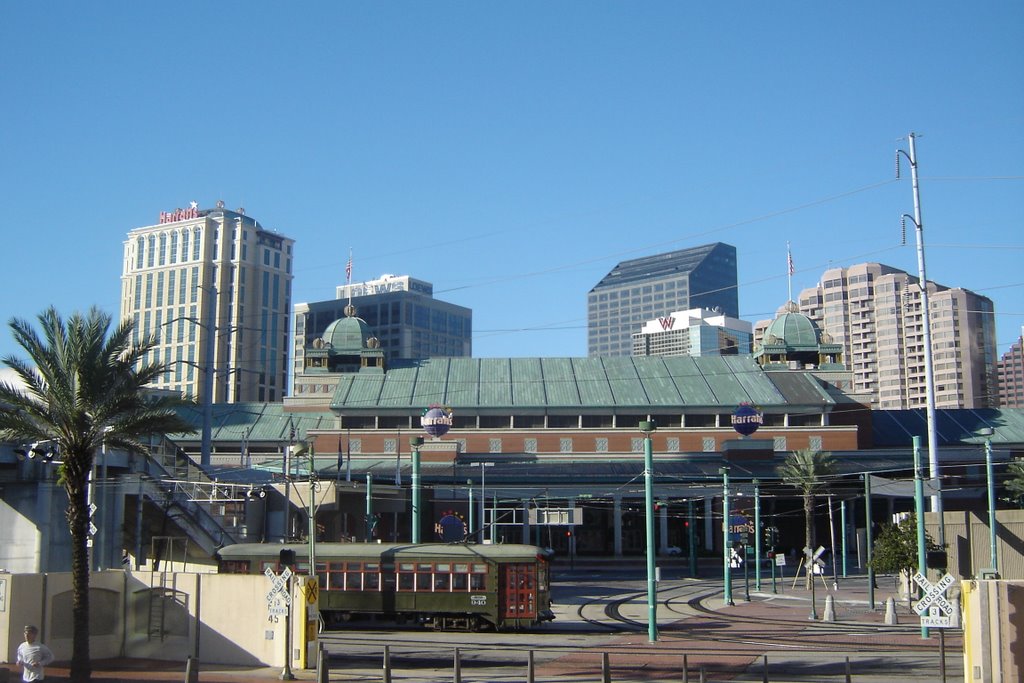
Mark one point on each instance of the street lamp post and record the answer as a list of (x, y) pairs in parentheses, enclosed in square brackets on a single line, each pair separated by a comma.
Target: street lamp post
[(648, 427), (757, 535), (416, 442), (990, 485), (483, 502), (726, 559)]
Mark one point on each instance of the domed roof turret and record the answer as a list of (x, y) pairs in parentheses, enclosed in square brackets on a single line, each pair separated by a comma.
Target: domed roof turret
[(348, 335), (794, 330)]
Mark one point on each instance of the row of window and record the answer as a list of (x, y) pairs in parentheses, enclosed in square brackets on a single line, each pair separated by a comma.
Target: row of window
[(415, 577)]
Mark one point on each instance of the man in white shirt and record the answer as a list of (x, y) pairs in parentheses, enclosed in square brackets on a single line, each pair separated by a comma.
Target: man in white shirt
[(33, 656)]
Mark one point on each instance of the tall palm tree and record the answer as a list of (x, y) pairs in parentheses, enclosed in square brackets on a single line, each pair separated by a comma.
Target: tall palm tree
[(83, 386), (807, 471)]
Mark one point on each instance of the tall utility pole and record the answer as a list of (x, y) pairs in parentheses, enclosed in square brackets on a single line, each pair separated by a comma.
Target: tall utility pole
[(926, 340)]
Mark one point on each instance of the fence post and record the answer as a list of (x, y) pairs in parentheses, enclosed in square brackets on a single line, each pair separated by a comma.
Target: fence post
[(529, 667), (764, 670), (686, 669), (848, 672), (387, 664), (606, 673), (458, 666)]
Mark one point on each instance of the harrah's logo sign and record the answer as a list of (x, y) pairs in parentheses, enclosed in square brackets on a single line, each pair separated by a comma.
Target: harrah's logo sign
[(179, 215), (667, 323)]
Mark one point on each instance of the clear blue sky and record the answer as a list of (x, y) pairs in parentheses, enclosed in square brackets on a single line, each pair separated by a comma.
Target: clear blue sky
[(512, 153)]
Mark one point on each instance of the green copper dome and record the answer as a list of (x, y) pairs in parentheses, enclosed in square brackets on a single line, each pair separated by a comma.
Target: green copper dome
[(793, 330), (347, 336)]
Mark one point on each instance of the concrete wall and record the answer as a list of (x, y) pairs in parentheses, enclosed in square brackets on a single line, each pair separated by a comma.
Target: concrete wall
[(234, 625), (993, 623), (968, 542)]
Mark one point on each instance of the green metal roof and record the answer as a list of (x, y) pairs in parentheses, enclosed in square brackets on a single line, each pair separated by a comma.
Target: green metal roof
[(897, 427), (637, 382), (262, 422)]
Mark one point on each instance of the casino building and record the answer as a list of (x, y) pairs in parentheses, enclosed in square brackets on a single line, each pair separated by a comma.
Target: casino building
[(563, 435)]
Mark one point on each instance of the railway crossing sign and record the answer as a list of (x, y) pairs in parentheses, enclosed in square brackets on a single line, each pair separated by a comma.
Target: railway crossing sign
[(935, 611), (279, 597)]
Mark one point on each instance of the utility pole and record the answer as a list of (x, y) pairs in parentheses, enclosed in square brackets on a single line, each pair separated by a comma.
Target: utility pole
[(926, 340)]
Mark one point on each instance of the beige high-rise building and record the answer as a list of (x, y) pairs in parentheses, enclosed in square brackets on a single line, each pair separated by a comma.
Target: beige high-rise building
[(1011, 375), (874, 311), (202, 277)]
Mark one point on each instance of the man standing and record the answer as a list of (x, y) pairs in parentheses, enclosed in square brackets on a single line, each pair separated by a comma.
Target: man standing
[(33, 656)]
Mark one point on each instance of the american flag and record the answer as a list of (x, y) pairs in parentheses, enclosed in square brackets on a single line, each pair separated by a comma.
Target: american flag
[(348, 270), (789, 260)]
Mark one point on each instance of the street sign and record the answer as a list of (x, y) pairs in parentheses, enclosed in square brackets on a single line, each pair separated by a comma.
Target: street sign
[(935, 611), (279, 598), (780, 560)]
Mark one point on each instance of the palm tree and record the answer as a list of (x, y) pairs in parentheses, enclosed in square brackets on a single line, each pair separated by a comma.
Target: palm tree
[(806, 470), (81, 389), (1015, 481)]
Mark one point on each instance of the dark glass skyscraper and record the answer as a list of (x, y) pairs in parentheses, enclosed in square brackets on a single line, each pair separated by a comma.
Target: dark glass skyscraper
[(643, 289)]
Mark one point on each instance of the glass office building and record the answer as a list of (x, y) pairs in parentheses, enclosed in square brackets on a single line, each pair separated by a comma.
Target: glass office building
[(644, 289)]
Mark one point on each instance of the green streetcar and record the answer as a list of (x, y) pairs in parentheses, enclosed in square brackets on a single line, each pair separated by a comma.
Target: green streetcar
[(444, 586)]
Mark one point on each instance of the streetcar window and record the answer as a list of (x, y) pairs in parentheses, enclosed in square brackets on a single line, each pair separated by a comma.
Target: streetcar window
[(406, 576), (442, 582), (353, 577), (444, 567), (477, 582), (423, 581), (371, 581), (234, 567), (462, 568)]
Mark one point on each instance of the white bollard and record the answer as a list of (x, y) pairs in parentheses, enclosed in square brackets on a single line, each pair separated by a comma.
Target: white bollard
[(830, 609), (890, 612)]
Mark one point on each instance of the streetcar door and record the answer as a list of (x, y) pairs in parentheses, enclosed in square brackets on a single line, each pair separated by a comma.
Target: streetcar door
[(519, 590)]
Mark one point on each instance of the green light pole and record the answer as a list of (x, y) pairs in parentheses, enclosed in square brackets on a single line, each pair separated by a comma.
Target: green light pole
[(868, 535), (757, 535), (369, 507), (648, 427), (727, 568), (416, 442), (990, 483)]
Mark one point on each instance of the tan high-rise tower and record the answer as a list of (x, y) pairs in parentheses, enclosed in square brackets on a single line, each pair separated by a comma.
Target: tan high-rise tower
[(202, 277)]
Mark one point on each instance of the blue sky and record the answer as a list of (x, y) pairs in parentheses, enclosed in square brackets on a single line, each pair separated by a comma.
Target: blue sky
[(512, 153)]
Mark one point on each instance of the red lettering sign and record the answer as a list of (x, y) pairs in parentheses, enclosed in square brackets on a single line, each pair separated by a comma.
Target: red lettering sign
[(179, 215), (667, 323)]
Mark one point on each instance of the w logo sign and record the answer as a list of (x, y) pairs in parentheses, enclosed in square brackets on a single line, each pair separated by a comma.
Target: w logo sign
[(667, 323)]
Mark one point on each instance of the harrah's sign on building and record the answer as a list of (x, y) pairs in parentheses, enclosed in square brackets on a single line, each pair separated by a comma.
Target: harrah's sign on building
[(179, 215)]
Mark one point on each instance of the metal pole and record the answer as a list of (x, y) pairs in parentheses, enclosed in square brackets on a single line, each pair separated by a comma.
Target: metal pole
[(287, 471), (933, 440), (312, 511), (867, 534), (691, 533), (483, 502), (922, 565), (472, 512), (727, 595), (842, 526), (991, 504), (211, 338), (417, 441), (369, 506), (757, 535), (652, 597)]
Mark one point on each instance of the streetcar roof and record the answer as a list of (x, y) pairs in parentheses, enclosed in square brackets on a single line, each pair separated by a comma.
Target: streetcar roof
[(335, 551)]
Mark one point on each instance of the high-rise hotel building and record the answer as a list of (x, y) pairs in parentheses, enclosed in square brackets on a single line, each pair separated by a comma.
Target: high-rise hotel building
[(874, 311), (651, 287), (214, 286), (1011, 375)]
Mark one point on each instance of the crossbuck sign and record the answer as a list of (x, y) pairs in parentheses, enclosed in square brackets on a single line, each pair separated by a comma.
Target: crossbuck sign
[(278, 598), (935, 611)]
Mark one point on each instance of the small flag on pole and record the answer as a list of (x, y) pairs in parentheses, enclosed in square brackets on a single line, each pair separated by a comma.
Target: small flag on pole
[(789, 260), (348, 269)]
